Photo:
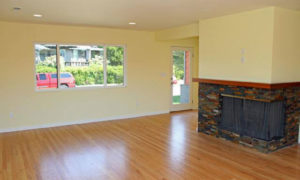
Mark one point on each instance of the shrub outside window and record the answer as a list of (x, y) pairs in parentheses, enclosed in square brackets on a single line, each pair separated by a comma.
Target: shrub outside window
[(78, 66)]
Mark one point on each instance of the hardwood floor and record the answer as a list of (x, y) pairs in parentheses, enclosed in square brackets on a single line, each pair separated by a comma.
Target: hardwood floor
[(155, 147)]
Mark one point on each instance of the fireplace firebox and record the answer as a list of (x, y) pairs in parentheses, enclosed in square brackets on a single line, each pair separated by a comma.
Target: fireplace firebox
[(254, 118)]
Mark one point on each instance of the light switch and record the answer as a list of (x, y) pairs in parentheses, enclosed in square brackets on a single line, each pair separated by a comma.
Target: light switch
[(243, 51), (243, 59), (163, 74)]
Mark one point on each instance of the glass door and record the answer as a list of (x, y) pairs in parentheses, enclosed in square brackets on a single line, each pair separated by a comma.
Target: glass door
[(181, 79)]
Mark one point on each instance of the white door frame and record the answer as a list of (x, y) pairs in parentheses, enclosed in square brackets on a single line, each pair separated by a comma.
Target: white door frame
[(181, 107)]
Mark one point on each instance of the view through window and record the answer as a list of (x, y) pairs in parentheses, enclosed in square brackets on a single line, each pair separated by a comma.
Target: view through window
[(181, 77), (78, 66)]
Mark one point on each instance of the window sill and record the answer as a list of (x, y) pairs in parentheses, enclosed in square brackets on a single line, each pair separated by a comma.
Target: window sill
[(79, 88)]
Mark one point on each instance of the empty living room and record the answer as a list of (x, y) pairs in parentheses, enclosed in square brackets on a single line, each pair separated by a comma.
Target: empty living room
[(149, 89)]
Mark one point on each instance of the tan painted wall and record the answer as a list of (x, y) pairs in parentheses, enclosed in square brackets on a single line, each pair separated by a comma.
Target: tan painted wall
[(181, 32), (271, 40), (147, 61), (222, 39), (286, 48)]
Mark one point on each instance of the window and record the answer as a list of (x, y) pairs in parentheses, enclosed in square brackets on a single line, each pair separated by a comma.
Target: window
[(64, 75), (115, 64), (78, 66), (43, 77), (45, 65)]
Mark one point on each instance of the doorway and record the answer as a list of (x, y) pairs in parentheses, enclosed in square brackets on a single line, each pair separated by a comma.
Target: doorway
[(181, 96)]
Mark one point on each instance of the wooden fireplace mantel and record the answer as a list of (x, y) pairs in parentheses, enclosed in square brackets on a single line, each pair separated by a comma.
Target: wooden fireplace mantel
[(248, 84)]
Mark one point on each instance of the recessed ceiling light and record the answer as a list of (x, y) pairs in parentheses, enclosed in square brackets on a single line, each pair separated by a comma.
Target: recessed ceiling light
[(38, 15), (132, 23), (16, 8)]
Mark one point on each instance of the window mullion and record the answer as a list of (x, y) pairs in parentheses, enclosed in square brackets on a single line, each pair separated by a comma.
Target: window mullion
[(105, 68), (58, 65)]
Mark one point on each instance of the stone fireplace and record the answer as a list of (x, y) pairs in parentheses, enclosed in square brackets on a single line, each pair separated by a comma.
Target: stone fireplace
[(261, 116)]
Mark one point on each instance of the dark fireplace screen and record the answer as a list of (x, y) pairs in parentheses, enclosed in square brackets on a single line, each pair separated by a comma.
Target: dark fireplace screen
[(257, 119)]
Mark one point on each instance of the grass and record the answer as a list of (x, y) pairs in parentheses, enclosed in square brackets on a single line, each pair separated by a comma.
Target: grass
[(176, 99)]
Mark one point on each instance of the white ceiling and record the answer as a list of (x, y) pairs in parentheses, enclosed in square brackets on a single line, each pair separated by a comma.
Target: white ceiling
[(148, 14)]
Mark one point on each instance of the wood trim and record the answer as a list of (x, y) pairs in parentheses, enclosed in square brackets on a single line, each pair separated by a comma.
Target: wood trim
[(285, 85), (252, 99), (248, 84)]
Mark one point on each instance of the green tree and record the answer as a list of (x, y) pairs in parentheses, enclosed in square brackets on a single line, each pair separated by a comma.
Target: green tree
[(178, 64), (115, 55)]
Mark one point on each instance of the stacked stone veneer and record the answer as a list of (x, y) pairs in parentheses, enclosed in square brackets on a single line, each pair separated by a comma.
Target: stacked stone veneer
[(210, 111)]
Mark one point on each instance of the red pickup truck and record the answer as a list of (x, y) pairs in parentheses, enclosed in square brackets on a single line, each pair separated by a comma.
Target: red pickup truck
[(49, 80)]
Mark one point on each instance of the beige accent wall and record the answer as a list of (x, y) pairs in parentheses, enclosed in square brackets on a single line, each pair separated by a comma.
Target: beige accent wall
[(286, 48), (148, 76), (268, 39), (222, 40)]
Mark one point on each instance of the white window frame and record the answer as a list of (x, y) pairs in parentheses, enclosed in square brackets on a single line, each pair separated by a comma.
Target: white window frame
[(87, 87)]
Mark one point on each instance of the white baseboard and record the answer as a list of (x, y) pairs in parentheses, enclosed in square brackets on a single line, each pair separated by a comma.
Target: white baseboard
[(83, 122)]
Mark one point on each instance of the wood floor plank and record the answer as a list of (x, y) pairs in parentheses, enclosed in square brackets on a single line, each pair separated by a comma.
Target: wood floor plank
[(163, 146)]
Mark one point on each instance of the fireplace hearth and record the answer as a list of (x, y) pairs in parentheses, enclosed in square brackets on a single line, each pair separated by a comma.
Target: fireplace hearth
[(261, 117)]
